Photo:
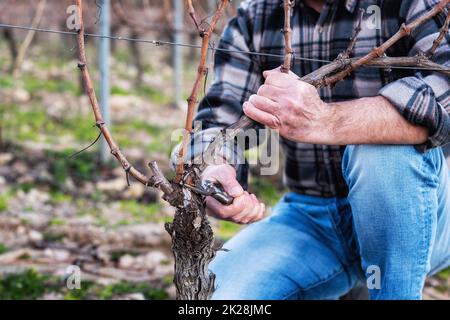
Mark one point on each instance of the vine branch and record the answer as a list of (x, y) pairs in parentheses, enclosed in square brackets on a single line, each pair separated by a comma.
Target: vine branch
[(192, 14), (441, 36), (201, 73), (405, 30), (287, 32), (157, 180)]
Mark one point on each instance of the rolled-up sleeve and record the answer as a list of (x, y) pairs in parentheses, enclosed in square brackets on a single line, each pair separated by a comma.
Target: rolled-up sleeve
[(424, 99)]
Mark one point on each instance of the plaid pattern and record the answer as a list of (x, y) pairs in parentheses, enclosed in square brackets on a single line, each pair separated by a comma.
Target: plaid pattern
[(422, 98)]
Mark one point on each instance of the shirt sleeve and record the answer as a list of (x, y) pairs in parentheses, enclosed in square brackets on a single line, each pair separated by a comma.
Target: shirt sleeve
[(237, 75), (424, 99)]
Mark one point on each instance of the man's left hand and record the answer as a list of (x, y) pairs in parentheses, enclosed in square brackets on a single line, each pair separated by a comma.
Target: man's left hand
[(291, 106)]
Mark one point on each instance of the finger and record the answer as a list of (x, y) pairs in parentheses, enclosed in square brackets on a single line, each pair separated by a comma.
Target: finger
[(267, 72), (264, 104), (239, 216), (250, 211), (260, 116), (251, 217), (271, 92), (224, 212), (226, 176), (261, 212), (280, 80), (278, 70), (232, 186)]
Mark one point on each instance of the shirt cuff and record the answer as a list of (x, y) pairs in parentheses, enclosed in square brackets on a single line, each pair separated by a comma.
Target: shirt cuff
[(231, 153)]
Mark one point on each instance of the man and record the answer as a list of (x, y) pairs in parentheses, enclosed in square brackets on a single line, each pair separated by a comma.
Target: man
[(370, 190)]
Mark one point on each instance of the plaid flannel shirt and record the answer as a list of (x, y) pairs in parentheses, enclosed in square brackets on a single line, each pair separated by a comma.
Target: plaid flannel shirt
[(423, 97)]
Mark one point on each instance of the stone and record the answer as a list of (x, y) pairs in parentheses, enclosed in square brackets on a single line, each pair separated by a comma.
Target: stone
[(5, 158), (52, 296), (57, 254), (135, 191), (35, 236), (124, 103), (20, 167), (131, 296), (155, 258), (115, 185), (21, 95), (126, 261)]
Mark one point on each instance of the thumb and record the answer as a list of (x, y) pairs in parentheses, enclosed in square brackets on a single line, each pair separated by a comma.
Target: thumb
[(267, 72), (226, 176), (232, 187)]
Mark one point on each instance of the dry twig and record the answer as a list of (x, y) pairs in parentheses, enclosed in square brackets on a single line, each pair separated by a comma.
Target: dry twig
[(191, 11), (201, 73), (156, 180), (29, 37), (441, 36), (287, 31)]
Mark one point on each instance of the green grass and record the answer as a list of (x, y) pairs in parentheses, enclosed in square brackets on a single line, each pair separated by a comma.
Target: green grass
[(115, 90), (50, 237), (159, 137), (83, 293), (83, 167), (25, 125), (59, 197), (444, 274), (57, 222), (116, 255), (25, 186), (3, 248), (227, 229), (122, 288), (154, 95), (4, 199), (142, 211), (122, 54), (34, 85), (48, 64), (33, 124), (6, 81), (123, 222), (32, 285), (265, 190), (29, 285), (3, 60)]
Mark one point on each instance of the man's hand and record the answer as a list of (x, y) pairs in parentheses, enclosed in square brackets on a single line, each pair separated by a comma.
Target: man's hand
[(293, 107), (246, 208)]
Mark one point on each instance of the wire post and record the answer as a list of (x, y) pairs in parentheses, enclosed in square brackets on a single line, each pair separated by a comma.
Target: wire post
[(103, 60), (178, 54)]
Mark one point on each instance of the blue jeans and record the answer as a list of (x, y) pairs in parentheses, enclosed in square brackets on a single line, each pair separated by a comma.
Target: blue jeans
[(391, 231)]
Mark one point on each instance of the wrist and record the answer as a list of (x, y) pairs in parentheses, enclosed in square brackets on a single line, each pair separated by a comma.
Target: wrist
[(332, 124), (327, 125)]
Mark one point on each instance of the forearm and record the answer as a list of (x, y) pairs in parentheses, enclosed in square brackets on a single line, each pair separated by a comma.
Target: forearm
[(371, 120)]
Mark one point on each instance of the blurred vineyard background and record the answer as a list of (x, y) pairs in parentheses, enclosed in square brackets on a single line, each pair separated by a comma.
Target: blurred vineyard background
[(57, 211)]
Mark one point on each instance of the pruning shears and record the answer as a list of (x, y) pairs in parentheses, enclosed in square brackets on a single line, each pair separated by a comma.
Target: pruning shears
[(209, 188)]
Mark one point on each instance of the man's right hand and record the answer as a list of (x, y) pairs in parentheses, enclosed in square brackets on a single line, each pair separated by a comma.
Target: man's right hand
[(245, 209)]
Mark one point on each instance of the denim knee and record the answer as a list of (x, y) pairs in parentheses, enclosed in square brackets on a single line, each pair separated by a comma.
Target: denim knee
[(379, 168), (393, 194)]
